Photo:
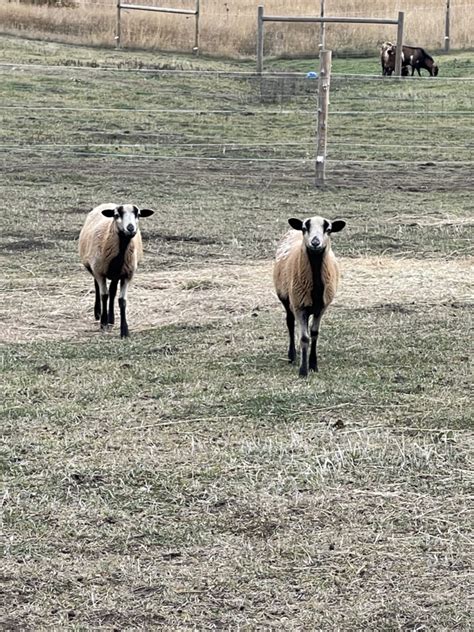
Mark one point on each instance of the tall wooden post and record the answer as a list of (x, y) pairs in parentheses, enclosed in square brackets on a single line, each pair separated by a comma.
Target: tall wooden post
[(323, 109), (117, 28), (260, 38), (196, 30), (398, 54), (447, 42), (322, 30)]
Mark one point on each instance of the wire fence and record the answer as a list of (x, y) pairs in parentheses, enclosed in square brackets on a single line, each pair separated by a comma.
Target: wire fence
[(239, 126)]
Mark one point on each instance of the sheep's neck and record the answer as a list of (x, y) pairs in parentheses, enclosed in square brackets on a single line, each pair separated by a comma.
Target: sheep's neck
[(116, 264), (317, 293)]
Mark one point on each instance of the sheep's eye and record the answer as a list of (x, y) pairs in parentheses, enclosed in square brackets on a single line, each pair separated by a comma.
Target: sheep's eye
[(326, 227)]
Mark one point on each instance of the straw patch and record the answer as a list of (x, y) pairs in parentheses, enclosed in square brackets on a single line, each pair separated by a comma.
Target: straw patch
[(41, 308)]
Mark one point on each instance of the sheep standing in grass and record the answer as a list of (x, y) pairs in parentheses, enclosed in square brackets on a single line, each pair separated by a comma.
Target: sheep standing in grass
[(306, 275), (110, 247)]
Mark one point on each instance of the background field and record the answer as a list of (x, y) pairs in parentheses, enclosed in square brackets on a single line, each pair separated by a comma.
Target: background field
[(186, 478), (229, 28)]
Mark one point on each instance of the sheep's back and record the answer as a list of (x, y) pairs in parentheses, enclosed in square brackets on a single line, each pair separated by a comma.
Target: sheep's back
[(93, 238), (292, 271), (99, 244)]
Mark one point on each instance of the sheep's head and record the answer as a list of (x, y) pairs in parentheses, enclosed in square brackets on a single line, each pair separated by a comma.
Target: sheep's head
[(126, 217), (435, 70), (316, 230)]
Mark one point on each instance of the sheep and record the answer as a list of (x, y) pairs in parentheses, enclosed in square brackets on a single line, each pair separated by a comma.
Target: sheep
[(110, 247), (306, 275), (386, 54), (413, 56)]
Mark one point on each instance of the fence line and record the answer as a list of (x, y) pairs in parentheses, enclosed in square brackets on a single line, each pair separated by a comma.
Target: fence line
[(173, 135), (201, 112), (221, 159), (236, 145), (201, 74)]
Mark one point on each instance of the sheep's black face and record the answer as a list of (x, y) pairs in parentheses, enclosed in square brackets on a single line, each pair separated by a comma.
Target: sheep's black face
[(316, 231)]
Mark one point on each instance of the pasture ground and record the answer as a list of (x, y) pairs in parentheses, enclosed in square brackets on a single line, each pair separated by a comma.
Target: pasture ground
[(186, 478)]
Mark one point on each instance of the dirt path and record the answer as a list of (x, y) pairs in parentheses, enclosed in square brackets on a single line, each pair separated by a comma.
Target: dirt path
[(41, 308)]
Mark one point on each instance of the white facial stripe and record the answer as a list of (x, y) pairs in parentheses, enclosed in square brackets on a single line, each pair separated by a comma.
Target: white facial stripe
[(127, 217), (316, 237)]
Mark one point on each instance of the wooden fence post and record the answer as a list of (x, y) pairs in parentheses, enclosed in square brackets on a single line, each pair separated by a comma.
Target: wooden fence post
[(259, 39), (323, 108), (447, 42), (196, 30), (398, 54), (117, 28), (322, 31)]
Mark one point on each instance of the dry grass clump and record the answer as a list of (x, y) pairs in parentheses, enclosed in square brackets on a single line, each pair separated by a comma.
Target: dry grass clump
[(229, 28)]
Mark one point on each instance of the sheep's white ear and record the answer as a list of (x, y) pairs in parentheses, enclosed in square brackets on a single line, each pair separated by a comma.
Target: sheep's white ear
[(297, 224), (109, 212), (145, 212), (337, 225)]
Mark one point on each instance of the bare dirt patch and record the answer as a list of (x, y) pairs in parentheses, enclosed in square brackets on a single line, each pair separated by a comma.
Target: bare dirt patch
[(41, 308)]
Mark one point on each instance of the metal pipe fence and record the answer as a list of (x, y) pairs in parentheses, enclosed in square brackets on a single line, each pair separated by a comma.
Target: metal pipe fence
[(140, 7)]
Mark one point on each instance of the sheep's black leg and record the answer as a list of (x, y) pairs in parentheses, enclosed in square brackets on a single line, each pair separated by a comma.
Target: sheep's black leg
[(290, 322), (112, 293), (97, 301), (123, 308), (103, 315), (102, 283), (313, 358), (303, 318)]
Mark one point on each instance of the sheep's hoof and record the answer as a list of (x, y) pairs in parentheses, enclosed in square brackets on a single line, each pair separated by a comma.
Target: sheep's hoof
[(303, 372)]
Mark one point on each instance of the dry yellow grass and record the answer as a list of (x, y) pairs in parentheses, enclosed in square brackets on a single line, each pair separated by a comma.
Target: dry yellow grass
[(31, 310), (228, 28)]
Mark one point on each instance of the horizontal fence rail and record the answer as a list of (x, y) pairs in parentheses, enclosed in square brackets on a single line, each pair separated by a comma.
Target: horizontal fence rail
[(140, 7)]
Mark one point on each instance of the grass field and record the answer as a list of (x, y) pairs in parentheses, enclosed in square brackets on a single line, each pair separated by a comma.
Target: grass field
[(186, 478)]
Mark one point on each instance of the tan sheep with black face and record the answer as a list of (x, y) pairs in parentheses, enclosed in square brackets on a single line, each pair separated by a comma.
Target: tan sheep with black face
[(306, 276), (110, 247)]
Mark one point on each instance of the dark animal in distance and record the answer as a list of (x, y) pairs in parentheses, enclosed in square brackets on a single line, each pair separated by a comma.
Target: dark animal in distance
[(414, 56)]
